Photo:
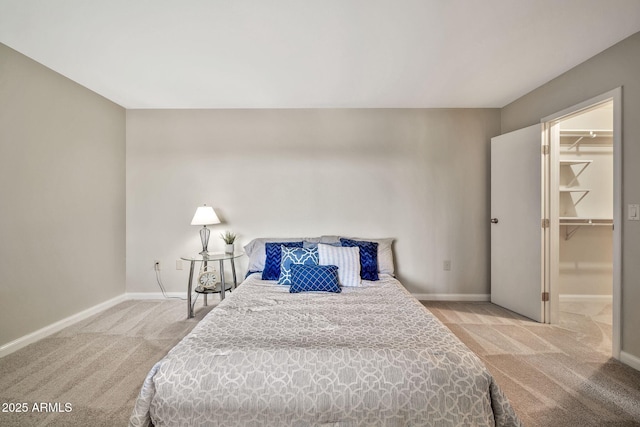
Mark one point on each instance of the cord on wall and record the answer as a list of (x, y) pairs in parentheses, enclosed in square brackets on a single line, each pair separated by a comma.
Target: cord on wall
[(159, 280)]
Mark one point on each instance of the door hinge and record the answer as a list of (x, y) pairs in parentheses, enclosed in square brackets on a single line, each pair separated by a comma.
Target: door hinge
[(545, 223), (545, 296), (545, 149)]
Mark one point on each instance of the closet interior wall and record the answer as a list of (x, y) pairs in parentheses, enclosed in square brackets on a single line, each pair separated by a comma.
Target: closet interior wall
[(586, 205)]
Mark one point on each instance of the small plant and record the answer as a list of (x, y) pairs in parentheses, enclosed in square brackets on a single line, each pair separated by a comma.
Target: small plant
[(228, 237)]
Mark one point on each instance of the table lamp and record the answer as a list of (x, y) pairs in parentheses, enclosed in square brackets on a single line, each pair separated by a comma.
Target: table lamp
[(204, 216)]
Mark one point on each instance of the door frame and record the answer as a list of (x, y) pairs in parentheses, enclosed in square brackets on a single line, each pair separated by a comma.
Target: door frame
[(552, 259)]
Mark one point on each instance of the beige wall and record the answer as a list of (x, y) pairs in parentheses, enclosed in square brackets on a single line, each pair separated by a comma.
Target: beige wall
[(586, 262), (62, 187), (420, 176), (616, 66)]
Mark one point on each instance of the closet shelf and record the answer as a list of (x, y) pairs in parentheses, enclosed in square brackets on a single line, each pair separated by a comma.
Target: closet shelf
[(569, 190), (587, 133), (581, 134), (564, 220), (574, 190), (573, 162)]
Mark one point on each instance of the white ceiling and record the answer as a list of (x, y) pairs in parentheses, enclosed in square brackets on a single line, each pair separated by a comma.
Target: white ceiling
[(314, 53)]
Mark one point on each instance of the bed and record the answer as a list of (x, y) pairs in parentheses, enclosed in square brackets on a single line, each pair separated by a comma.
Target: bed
[(368, 355)]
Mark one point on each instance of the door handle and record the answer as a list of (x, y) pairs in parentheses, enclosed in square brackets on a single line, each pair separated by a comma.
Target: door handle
[(494, 220)]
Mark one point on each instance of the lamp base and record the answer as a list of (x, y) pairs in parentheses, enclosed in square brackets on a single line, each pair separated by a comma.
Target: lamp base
[(204, 237)]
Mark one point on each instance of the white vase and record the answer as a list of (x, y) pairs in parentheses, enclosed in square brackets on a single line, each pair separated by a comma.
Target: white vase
[(228, 248)]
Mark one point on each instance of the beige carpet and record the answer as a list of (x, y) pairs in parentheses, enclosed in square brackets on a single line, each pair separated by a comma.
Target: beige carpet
[(553, 375), (97, 365)]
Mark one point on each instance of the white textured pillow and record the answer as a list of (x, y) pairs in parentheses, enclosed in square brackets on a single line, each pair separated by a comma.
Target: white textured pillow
[(346, 258), (385, 254)]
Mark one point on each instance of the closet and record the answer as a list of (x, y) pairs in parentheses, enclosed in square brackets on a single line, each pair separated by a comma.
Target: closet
[(585, 202), (555, 198)]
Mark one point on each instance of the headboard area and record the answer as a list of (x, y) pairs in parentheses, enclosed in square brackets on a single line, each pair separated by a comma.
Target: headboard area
[(256, 249)]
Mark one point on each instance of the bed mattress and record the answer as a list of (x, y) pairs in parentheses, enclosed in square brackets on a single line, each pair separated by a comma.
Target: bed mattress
[(371, 355)]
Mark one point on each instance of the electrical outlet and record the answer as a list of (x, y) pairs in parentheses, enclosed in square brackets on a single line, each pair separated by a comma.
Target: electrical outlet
[(156, 265), (178, 264), (446, 265)]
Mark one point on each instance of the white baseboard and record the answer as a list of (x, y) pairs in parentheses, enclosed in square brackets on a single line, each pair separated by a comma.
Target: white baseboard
[(585, 298), (453, 297), (25, 340), (630, 359)]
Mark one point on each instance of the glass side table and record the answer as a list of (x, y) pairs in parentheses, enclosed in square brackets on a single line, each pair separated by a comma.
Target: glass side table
[(220, 287)]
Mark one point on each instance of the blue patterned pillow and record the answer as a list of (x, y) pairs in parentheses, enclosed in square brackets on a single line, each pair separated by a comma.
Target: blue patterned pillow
[(273, 257), (319, 278), (293, 256), (368, 257)]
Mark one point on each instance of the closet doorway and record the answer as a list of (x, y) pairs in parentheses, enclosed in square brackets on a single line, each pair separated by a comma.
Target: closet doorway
[(556, 218), (584, 208)]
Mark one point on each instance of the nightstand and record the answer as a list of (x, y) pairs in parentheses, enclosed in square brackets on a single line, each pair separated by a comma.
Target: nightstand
[(219, 288)]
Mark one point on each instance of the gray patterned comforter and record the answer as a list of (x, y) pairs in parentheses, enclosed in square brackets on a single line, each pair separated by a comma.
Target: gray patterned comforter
[(367, 356)]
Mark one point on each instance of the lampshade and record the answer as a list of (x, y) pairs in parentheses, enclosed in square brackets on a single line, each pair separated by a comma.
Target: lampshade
[(205, 215)]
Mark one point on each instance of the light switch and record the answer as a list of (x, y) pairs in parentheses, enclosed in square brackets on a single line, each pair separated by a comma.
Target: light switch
[(633, 212)]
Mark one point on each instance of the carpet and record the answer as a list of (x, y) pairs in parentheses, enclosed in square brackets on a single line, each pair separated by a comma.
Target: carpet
[(554, 375), (90, 373)]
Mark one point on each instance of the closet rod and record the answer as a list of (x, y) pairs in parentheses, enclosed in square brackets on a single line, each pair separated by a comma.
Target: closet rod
[(591, 135), (576, 226)]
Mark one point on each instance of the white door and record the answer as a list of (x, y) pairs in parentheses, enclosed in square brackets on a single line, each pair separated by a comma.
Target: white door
[(517, 210)]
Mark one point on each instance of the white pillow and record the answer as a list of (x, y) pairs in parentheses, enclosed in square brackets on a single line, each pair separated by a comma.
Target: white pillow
[(346, 258), (385, 254)]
